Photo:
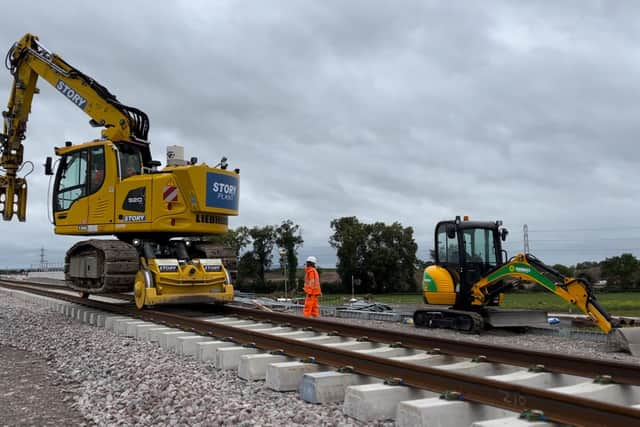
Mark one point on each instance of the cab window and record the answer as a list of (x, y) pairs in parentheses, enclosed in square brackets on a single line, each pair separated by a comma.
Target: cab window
[(72, 179), (130, 161), (479, 246), (447, 248), (96, 168)]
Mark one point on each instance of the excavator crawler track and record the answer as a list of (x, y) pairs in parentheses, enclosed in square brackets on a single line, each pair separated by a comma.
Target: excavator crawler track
[(459, 320), (101, 266)]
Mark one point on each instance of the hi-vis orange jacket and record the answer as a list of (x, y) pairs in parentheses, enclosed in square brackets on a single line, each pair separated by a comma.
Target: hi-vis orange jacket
[(312, 281)]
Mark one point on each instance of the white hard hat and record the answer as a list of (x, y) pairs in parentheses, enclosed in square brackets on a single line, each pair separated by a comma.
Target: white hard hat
[(312, 260)]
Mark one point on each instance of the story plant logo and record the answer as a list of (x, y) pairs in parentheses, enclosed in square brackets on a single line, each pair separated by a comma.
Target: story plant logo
[(225, 191), (71, 94), (222, 191)]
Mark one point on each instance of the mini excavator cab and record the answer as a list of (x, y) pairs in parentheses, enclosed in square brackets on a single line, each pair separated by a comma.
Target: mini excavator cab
[(468, 250)]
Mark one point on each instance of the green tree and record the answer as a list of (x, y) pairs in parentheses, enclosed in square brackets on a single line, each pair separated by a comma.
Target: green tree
[(348, 239), (382, 258), (390, 257), (237, 239), (619, 271), (564, 270), (262, 241), (287, 237), (247, 268), (586, 265)]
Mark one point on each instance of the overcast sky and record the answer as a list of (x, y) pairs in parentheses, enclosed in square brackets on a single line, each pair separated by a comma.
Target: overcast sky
[(408, 111)]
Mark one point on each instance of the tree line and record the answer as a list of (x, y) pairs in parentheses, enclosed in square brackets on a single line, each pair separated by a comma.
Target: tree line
[(373, 258), (255, 246), (621, 273)]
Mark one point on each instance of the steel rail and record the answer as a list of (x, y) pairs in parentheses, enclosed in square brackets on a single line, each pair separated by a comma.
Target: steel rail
[(63, 287), (620, 372), (555, 406)]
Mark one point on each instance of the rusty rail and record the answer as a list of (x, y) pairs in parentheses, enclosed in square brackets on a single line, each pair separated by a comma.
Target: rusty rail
[(620, 372)]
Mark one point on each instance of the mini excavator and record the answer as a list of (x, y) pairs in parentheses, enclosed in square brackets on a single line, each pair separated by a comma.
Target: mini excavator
[(466, 284), (111, 186)]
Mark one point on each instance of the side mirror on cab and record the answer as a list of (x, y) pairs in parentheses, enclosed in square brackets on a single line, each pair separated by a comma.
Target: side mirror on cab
[(48, 166), (451, 231), (503, 234)]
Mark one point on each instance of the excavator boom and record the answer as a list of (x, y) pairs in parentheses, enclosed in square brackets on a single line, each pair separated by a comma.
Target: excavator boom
[(27, 60), (527, 268)]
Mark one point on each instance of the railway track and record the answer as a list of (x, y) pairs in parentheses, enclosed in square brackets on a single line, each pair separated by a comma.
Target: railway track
[(331, 344)]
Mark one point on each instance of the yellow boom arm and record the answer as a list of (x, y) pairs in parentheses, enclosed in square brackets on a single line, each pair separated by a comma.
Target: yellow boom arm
[(527, 268), (27, 60)]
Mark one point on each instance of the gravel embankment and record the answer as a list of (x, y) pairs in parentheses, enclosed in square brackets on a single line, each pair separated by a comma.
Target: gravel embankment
[(111, 380), (27, 385)]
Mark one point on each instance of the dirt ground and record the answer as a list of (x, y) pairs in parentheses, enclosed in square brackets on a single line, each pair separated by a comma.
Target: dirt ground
[(32, 395)]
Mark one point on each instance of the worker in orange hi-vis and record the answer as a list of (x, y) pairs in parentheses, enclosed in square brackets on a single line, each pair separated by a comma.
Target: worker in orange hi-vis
[(311, 288)]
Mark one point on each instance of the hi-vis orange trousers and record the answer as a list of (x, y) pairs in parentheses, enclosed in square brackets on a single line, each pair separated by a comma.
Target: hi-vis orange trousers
[(311, 308)]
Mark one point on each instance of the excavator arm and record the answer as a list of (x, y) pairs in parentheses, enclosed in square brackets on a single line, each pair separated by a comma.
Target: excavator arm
[(526, 267), (27, 60)]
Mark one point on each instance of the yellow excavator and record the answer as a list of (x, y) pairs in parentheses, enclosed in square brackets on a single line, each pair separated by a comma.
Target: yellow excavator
[(465, 286), (112, 186)]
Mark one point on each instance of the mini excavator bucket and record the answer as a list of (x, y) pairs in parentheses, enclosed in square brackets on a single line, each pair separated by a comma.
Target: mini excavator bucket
[(628, 339)]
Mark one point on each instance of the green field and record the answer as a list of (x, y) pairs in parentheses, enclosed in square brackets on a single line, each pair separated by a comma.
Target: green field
[(618, 304)]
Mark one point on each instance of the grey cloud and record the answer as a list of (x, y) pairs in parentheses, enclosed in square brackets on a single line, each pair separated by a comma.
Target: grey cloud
[(411, 111)]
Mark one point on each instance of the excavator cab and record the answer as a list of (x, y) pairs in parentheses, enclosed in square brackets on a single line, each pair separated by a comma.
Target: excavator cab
[(468, 251)]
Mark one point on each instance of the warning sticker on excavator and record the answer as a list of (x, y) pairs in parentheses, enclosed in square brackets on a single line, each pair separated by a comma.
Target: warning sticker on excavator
[(170, 193)]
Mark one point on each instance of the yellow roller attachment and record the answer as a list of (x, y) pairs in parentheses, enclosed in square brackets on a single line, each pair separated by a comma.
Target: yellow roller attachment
[(168, 281), (189, 294), (139, 291)]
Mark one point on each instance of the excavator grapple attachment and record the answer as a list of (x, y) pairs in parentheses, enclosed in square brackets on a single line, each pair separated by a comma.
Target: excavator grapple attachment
[(13, 198)]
